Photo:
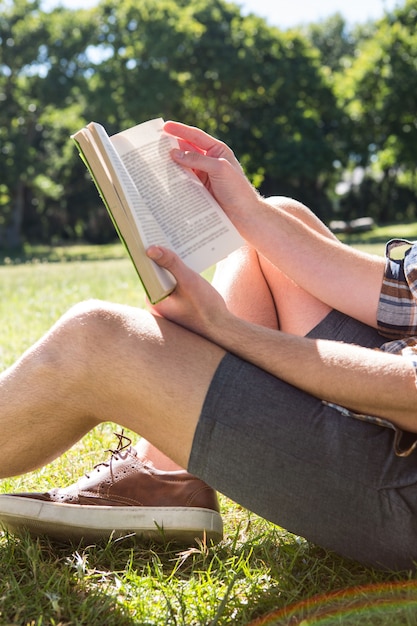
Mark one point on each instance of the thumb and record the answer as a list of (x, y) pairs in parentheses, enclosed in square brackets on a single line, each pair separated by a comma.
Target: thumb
[(167, 259)]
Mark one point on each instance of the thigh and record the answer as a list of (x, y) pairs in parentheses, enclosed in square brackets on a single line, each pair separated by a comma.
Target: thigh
[(299, 463), (105, 362)]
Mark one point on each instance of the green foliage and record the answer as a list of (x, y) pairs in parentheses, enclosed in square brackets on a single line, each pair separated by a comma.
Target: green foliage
[(336, 41), (41, 80), (299, 107), (144, 43), (21, 32), (206, 64), (378, 88)]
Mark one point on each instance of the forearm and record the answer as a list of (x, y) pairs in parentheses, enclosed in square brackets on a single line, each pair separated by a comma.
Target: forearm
[(335, 274), (361, 379)]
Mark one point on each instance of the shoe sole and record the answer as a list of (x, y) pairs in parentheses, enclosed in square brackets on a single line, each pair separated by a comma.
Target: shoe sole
[(89, 523)]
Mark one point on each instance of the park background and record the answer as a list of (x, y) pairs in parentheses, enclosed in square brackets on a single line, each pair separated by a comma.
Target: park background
[(326, 112)]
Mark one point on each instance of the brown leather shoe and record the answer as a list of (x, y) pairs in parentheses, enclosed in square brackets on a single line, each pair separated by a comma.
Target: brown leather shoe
[(120, 497)]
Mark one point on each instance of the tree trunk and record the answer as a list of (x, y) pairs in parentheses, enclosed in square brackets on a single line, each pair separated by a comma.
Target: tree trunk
[(14, 228)]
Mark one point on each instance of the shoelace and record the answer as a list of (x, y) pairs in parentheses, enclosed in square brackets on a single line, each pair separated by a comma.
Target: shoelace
[(116, 452)]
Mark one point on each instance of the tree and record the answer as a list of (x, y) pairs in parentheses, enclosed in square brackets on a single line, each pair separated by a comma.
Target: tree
[(262, 91), (21, 34), (269, 94), (141, 50), (378, 89), (38, 78), (336, 41)]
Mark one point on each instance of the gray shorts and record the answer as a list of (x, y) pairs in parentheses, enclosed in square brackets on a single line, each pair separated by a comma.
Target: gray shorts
[(299, 463)]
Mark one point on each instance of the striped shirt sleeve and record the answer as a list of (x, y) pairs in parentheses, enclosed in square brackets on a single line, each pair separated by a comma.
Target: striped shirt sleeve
[(397, 309)]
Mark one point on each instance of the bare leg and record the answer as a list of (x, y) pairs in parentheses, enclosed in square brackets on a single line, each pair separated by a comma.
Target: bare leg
[(257, 291), (143, 384), (104, 362), (154, 457)]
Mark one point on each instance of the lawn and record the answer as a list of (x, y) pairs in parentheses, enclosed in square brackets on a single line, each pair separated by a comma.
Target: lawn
[(257, 569)]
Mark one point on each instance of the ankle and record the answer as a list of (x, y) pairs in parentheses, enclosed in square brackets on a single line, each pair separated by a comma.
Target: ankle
[(150, 455)]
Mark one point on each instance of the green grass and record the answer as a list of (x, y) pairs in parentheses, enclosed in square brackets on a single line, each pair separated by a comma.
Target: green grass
[(374, 240), (257, 569)]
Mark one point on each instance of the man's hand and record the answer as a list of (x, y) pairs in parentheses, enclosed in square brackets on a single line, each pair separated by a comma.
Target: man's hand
[(219, 170), (194, 304)]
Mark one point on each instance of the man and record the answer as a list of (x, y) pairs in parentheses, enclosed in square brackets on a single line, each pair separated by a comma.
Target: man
[(261, 387)]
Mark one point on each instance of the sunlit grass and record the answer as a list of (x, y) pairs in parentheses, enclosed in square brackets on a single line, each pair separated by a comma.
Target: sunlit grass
[(258, 568)]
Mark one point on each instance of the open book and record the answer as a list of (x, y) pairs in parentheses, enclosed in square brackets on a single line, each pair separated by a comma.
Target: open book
[(153, 200)]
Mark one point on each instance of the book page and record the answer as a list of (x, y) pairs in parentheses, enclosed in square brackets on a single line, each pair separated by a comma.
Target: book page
[(194, 224), (125, 206), (146, 224)]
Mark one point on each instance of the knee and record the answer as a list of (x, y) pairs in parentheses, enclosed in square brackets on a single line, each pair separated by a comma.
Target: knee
[(89, 323), (79, 335), (235, 266), (300, 211)]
